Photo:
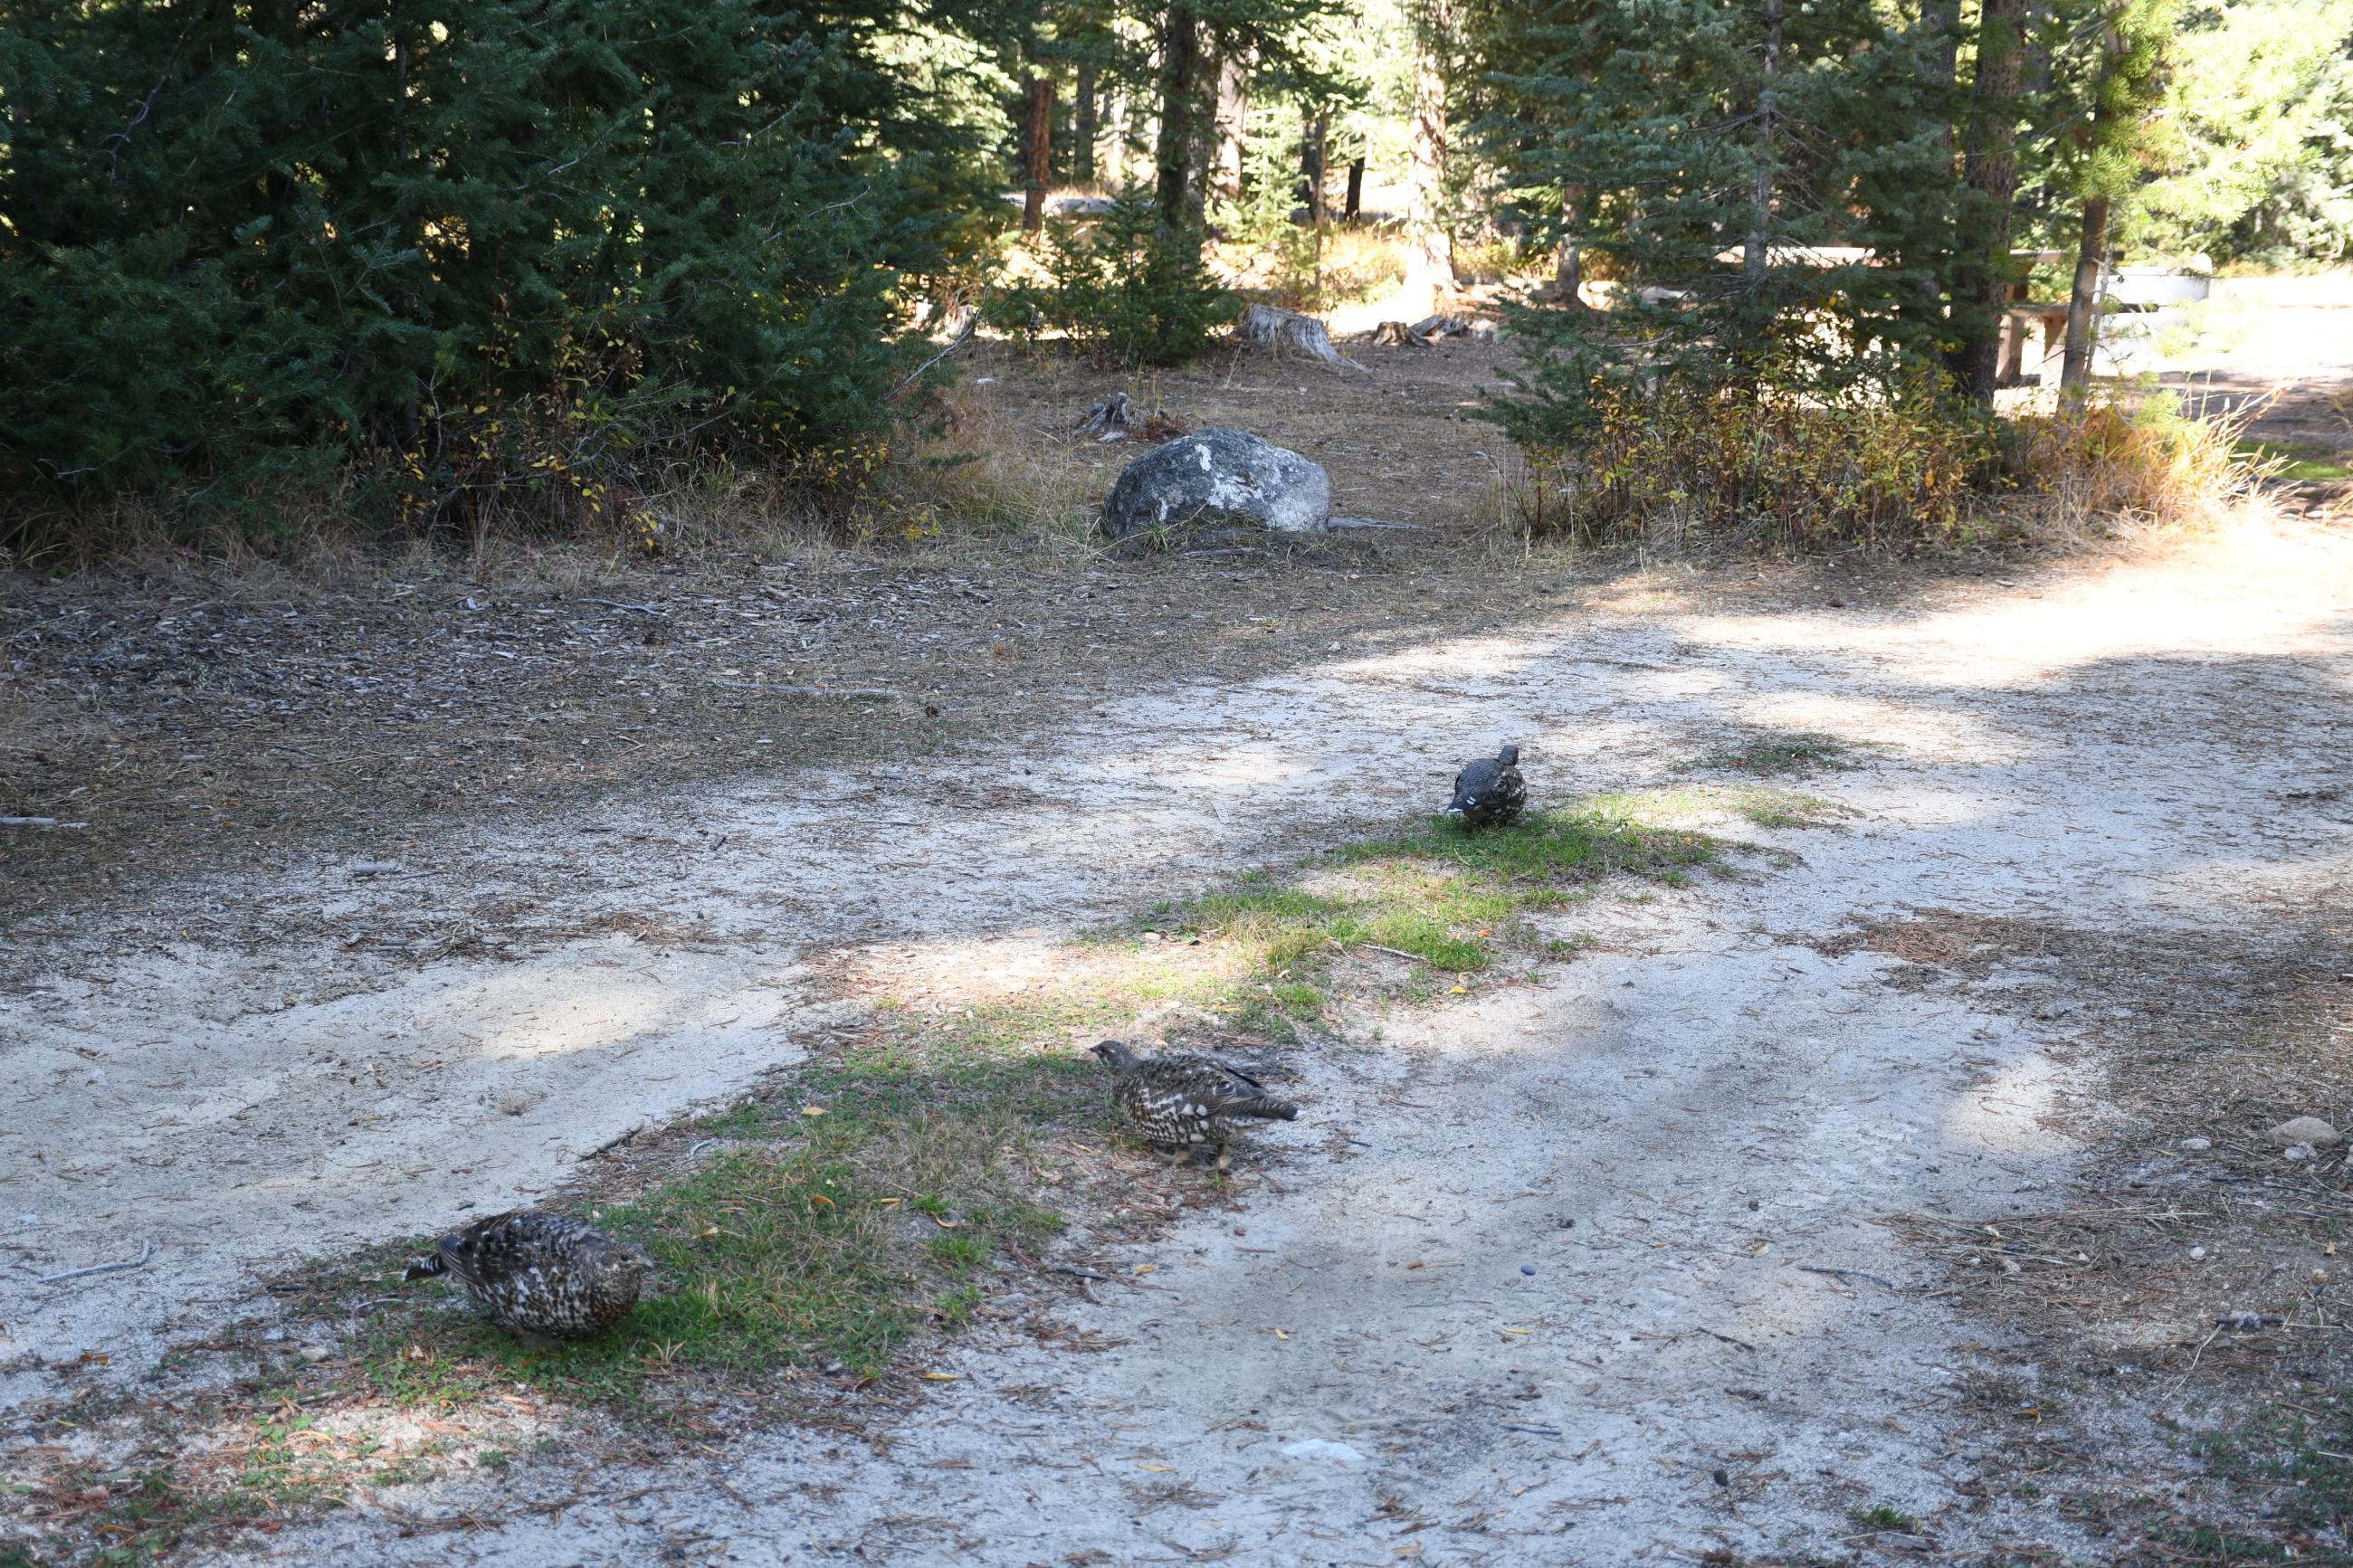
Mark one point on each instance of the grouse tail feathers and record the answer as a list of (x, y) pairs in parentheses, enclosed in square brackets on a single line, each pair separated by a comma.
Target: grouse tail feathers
[(1266, 1108)]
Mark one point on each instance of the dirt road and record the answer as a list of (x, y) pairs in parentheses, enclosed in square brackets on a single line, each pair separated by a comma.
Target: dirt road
[(1585, 1270)]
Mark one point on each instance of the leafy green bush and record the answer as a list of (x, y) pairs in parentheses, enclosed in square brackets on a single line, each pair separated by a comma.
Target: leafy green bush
[(1123, 287), (502, 257)]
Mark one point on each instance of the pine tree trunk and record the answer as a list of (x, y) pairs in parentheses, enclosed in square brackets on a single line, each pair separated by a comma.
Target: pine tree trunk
[(1313, 133), (1761, 182), (1082, 132), (1981, 285), (1232, 123), (1040, 146), (1355, 190), (1178, 190), (2075, 369), (1567, 267), (2091, 253), (1118, 135), (1430, 253)]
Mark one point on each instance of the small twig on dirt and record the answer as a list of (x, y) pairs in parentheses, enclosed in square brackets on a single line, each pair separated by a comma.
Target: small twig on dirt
[(37, 822), (1727, 1339), (1394, 952), (146, 1250), (850, 693), (472, 1521), (615, 1140), (1074, 1273), (1524, 1427), (2195, 1354), (619, 605), (1849, 1273)]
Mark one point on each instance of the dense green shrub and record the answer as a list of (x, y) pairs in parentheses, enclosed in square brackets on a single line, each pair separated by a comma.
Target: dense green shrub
[(1123, 287), (489, 252)]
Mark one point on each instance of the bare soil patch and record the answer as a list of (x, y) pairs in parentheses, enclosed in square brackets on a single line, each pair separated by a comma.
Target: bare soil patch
[(2187, 1293)]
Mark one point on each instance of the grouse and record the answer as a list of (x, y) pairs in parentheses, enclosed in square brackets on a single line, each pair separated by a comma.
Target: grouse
[(1179, 1102), (1490, 793), (541, 1274)]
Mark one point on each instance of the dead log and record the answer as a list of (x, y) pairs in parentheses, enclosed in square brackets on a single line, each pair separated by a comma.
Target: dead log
[(1110, 420)]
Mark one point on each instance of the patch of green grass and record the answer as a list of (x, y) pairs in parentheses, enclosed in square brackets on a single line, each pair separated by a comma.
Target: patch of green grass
[(1608, 834), (1454, 899), (1878, 1516), (1800, 752), (2302, 464), (1769, 807), (2293, 1453), (829, 1247)]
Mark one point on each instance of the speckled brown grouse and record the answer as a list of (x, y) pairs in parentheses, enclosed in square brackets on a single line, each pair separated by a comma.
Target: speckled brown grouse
[(1180, 1102), (541, 1274), (1490, 793)]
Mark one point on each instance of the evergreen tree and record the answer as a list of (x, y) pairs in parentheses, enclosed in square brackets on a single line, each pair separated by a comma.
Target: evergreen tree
[(2110, 152), (1768, 185), (2258, 116), (521, 244)]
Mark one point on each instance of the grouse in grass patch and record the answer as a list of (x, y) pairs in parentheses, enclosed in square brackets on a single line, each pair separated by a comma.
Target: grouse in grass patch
[(1490, 793), (544, 1275), (1178, 1103)]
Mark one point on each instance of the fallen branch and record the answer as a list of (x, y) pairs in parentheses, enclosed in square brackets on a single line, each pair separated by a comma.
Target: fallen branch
[(916, 374), (1848, 1274), (146, 1250), (619, 605), (37, 822), (615, 1140), (411, 1526)]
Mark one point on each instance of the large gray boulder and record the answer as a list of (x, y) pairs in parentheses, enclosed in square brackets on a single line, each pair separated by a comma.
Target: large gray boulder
[(1217, 486)]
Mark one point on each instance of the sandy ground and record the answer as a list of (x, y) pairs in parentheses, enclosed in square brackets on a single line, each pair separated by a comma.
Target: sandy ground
[(1547, 1298)]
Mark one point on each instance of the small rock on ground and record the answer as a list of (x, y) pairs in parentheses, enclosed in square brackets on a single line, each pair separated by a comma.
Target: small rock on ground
[(2309, 1129)]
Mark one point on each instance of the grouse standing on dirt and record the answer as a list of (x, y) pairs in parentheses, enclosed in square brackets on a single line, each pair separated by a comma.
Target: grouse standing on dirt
[(1490, 793), (541, 1274), (1180, 1102)]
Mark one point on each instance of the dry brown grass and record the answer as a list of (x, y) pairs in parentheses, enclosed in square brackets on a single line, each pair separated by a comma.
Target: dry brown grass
[(2142, 466)]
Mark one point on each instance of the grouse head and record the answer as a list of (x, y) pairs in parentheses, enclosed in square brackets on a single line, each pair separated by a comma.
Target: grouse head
[(1116, 1056), (1508, 757)]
